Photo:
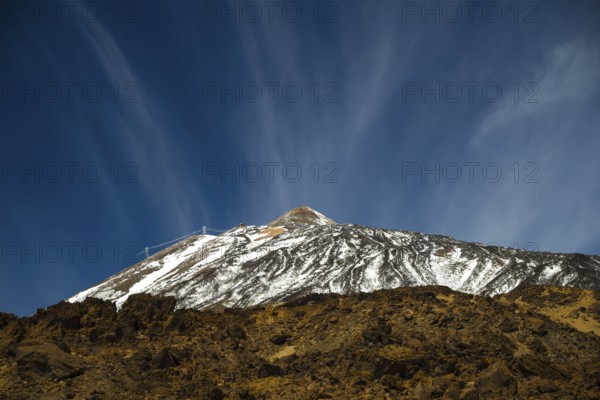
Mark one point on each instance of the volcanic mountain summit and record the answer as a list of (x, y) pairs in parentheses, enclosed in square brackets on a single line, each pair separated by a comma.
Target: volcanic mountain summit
[(192, 321), (304, 252), (302, 215)]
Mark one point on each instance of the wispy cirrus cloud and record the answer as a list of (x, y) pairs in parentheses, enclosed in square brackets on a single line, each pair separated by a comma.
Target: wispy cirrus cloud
[(377, 57), (144, 134), (366, 77), (558, 134)]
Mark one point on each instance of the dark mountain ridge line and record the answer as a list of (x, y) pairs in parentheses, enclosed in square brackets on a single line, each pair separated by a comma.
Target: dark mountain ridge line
[(302, 299)]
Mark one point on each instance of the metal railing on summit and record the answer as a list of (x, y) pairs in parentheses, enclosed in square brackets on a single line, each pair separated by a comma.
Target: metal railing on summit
[(202, 231)]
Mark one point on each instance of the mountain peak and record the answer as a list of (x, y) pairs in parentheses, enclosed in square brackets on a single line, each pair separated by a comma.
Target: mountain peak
[(304, 252), (302, 215)]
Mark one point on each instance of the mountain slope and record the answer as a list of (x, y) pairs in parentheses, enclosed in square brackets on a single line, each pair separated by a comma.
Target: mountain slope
[(305, 252)]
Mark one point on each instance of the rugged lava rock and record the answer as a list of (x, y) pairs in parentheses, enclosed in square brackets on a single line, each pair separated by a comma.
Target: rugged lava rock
[(413, 343)]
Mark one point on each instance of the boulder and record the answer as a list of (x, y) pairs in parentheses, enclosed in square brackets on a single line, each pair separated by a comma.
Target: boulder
[(47, 360), (496, 381)]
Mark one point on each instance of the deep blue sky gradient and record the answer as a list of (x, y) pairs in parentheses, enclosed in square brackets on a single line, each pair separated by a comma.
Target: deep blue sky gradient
[(367, 57)]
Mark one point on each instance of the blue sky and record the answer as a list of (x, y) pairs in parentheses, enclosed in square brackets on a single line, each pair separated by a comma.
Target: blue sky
[(128, 124)]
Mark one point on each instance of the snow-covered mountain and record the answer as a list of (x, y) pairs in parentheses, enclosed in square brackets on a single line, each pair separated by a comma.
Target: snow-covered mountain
[(305, 252)]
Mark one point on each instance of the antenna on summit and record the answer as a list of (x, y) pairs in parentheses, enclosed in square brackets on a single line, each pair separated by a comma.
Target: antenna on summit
[(204, 230), (147, 254)]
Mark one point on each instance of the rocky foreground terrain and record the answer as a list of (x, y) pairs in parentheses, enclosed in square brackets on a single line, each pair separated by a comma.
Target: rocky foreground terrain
[(414, 343)]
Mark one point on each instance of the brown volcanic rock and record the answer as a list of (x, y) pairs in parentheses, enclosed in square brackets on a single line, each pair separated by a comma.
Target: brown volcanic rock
[(5, 319), (46, 359), (579, 309), (413, 343), (496, 381)]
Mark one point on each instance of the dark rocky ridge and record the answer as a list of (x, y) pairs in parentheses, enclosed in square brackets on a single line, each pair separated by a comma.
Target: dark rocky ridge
[(413, 343)]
